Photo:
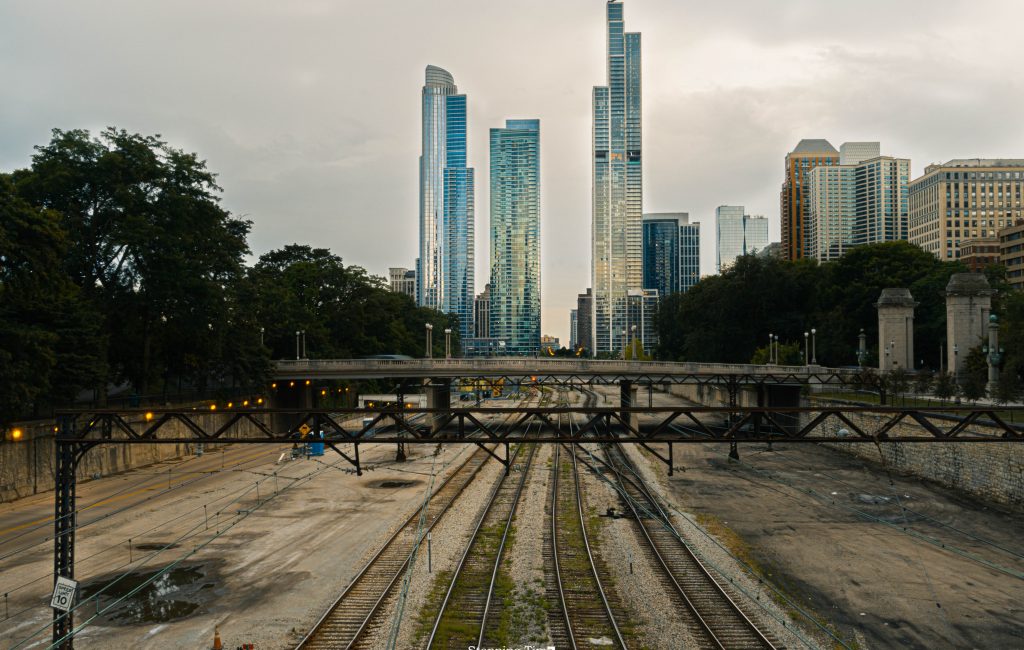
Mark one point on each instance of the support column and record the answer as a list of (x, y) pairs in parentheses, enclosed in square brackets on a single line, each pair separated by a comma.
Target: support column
[(627, 399), (64, 535), (439, 396), (995, 356), (895, 330)]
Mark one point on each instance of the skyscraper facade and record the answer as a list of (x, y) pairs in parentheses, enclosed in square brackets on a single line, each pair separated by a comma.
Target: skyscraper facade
[(573, 336), (403, 281), (738, 234), (661, 253), (807, 155), (617, 209), (689, 255), (515, 235), (445, 267), (832, 209), (584, 321)]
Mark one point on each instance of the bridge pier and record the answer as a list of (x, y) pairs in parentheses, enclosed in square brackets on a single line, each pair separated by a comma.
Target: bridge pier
[(439, 396), (627, 399)]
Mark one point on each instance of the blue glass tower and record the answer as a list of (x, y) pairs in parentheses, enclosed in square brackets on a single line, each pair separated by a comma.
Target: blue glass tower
[(617, 209), (661, 253), (515, 236), (444, 270), (689, 255)]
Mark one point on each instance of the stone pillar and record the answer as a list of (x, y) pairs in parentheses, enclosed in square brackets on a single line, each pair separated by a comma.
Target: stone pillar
[(895, 330), (439, 396), (968, 304), (627, 399)]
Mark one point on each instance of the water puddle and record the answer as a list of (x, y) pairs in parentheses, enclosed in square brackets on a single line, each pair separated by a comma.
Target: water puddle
[(391, 485), (172, 595)]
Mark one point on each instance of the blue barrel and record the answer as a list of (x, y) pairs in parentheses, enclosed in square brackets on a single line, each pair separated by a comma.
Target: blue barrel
[(316, 448)]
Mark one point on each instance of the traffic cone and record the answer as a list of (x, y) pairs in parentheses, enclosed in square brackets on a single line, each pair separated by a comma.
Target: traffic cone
[(217, 645)]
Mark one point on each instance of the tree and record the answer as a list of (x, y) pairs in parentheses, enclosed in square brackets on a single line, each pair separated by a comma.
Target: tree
[(975, 374), (923, 382), (153, 253), (637, 347), (1008, 390), (897, 382), (945, 387), (790, 354), (43, 323)]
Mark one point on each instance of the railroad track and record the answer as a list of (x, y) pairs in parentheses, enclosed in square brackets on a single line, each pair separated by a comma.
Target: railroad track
[(583, 613), (719, 619), (353, 614), (470, 612)]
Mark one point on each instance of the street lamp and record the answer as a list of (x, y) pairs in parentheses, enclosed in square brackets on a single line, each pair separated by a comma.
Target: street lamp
[(297, 352), (430, 336), (806, 348), (633, 328), (447, 343), (771, 350), (623, 343), (776, 349), (261, 337), (814, 346)]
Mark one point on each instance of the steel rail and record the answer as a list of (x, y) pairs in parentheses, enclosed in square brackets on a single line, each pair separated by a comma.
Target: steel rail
[(318, 626)]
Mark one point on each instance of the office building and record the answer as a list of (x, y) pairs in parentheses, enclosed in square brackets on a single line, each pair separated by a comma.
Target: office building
[(807, 155), (617, 208), (737, 234), (1011, 253), (403, 280), (482, 313), (549, 344), (832, 207), (661, 252), (573, 335), (515, 235), (445, 270), (964, 199), (854, 153), (978, 254), (585, 321)]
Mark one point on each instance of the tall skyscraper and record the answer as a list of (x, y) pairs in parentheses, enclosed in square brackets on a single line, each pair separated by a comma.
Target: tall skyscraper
[(584, 320), (807, 155), (482, 313), (738, 234), (444, 271), (617, 211), (573, 335), (515, 235), (689, 255)]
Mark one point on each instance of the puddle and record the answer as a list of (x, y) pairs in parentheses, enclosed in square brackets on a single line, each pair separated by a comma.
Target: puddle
[(173, 595), (155, 546), (392, 485)]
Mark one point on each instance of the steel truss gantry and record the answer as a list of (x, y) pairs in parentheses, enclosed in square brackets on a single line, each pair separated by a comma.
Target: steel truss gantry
[(78, 431)]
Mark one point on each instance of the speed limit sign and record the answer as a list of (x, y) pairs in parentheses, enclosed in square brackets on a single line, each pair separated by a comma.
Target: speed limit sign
[(64, 594)]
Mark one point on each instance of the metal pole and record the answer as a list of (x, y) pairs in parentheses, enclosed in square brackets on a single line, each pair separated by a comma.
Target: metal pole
[(297, 356), (64, 533), (429, 565), (814, 346)]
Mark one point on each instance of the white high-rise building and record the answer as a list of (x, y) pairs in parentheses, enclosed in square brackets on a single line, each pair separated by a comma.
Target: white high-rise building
[(617, 210)]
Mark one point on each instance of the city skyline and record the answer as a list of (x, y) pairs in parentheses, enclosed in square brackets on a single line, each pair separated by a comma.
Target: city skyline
[(314, 156)]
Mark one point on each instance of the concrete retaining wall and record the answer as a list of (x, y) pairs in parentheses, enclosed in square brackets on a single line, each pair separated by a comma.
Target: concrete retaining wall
[(27, 466), (990, 471)]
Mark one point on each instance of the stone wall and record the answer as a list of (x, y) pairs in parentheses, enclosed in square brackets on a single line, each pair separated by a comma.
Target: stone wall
[(27, 466)]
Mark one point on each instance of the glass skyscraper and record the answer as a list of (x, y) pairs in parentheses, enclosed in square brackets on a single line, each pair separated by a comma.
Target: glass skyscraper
[(515, 236), (617, 211), (671, 252), (738, 234), (444, 271)]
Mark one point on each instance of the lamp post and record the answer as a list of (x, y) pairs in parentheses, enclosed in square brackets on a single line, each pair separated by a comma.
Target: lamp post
[(862, 347), (771, 349), (633, 328), (447, 343), (776, 349), (430, 336), (298, 354), (956, 365), (623, 344), (814, 346), (261, 337), (807, 350)]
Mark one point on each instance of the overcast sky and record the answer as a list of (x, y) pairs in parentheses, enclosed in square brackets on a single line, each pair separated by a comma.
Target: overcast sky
[(310, 110)]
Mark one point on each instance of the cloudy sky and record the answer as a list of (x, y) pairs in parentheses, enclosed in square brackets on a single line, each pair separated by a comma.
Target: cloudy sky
[(309, 109)]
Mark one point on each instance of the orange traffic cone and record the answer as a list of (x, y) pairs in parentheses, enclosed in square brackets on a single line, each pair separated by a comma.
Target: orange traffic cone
[(217, 645)]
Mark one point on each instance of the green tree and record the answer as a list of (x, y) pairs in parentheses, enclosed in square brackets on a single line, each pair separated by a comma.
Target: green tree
[(945, 387), (923, 382), (790, 354), (1008, 390), (897, 382), (152, 251), (975, 375)]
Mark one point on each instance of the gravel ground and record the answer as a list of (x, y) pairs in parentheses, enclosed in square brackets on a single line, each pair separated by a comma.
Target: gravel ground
[(448, 541), (658, 622), (524, 561), (756, 593)]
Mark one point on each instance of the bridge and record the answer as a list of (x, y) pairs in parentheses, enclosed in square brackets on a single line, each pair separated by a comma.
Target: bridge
[(561, 371)]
